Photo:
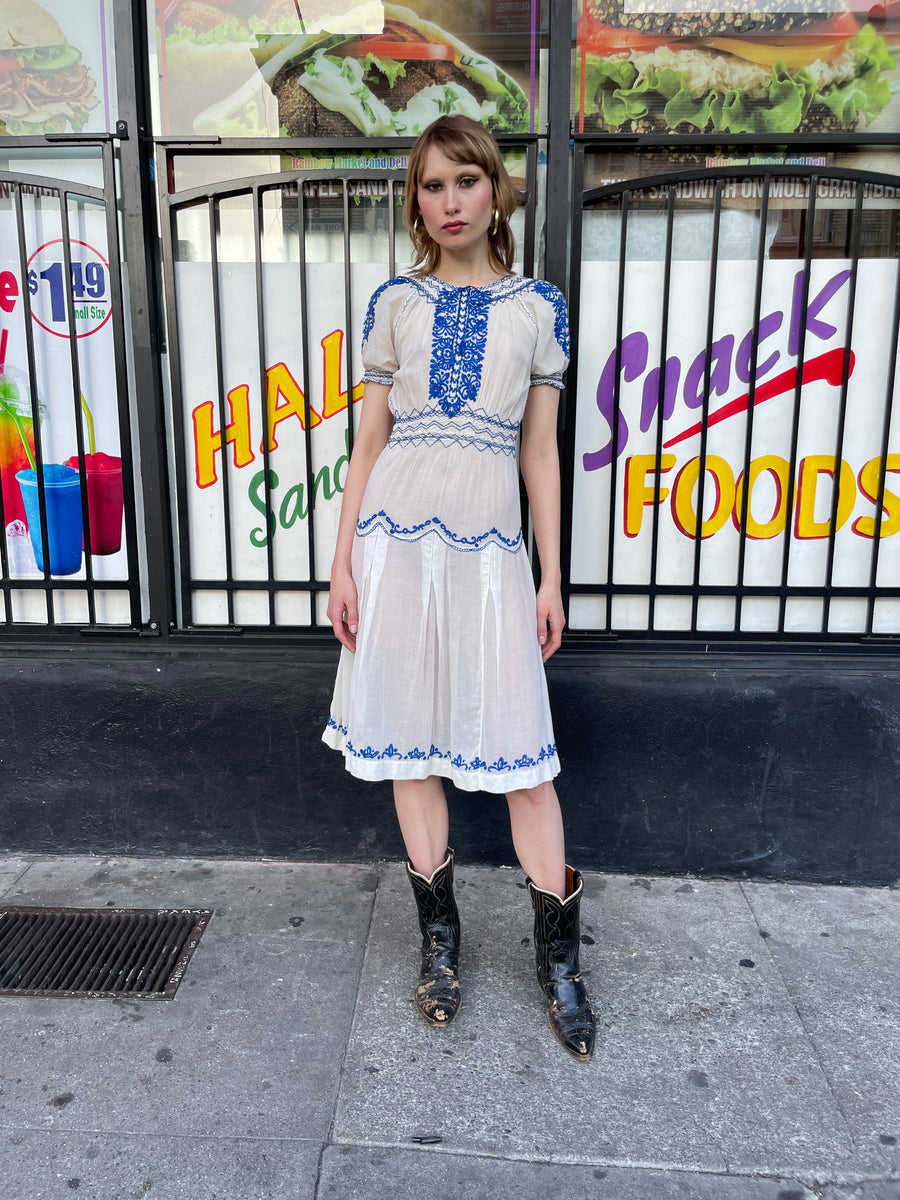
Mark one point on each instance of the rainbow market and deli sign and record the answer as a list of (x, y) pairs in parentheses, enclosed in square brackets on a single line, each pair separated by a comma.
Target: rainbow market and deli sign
[(660, 495)]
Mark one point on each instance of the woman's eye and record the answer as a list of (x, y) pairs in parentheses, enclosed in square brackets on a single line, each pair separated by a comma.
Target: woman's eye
[(468, 181)]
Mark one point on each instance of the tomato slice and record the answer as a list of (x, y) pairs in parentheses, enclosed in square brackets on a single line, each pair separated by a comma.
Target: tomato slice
[(9, 64), (382, 48), (597, 38)]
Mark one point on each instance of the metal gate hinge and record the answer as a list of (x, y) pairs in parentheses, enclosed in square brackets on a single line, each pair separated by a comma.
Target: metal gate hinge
[(122, 130)]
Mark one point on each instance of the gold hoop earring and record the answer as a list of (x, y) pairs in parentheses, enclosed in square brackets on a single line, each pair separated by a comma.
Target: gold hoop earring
[(495, 224)]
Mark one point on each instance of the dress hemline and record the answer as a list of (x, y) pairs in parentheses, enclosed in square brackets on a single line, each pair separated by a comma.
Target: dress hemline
[(498, 782)]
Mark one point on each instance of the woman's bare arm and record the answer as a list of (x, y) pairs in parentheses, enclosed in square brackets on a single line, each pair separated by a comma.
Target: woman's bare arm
[(375, 425), (539, 463)]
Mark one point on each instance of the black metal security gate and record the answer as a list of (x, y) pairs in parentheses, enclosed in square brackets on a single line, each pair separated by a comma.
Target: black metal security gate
[(267, 279), (696, 512), (68, 530)]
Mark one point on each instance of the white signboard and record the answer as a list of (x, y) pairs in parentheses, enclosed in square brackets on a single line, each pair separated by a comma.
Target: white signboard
[(660, 499), (268, 411)]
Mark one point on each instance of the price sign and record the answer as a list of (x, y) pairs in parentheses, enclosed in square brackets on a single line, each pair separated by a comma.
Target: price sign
[(89, 284)]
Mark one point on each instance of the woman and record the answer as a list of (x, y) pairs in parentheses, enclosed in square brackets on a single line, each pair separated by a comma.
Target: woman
[(432, 598)]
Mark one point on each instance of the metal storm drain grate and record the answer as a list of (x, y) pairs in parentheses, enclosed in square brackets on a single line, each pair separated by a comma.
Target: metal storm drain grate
[(97, 952)]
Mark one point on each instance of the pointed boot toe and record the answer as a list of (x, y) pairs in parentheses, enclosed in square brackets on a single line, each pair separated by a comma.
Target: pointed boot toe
[(574, 1029), (437, 996), (557, 937)]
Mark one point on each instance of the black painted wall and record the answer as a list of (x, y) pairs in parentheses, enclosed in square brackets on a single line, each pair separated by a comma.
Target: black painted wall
[(731, 765)]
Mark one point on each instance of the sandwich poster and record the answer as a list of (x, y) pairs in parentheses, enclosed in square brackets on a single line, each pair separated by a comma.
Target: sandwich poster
[(827, 67), (344, 68), (652, 497), (56, 68)]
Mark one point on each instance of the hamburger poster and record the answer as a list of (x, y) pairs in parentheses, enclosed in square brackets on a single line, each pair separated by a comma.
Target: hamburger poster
[(344, 68), (56, 70), (789, 66)]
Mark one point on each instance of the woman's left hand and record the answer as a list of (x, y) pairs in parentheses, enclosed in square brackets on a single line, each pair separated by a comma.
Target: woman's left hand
[(551, 619)]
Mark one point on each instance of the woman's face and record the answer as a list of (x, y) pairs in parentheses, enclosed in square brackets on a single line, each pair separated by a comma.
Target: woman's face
[(456, 201)]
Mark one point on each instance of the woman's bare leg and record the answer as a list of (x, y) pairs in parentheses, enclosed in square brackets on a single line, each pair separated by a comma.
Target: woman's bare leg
[(537, 833), (424, 822)]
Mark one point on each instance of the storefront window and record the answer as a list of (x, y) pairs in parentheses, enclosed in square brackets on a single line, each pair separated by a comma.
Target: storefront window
[(733, 68), (57, 71), (345, 68)]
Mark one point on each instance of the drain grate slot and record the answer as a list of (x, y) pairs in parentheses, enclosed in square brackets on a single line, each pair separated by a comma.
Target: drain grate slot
[(97, 952)]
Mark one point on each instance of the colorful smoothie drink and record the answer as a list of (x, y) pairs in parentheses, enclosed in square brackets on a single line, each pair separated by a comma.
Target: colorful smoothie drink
[(65, 533), (15, 423), (105, 500)]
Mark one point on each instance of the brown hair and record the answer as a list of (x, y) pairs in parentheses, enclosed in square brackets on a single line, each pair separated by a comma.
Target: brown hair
[(462, 140)]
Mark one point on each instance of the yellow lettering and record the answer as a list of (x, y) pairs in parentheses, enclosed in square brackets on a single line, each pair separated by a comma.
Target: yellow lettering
[(333, 399), (683, 511), (280, 382), (779, 469), (637, 492), (805, 524), (208, 442), (869, 483)]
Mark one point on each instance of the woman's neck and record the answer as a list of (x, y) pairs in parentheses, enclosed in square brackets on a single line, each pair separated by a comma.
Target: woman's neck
[(464, 270)]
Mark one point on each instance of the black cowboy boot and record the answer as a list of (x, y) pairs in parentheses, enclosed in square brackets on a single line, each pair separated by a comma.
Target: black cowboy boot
[(437, 992), (556, 941)]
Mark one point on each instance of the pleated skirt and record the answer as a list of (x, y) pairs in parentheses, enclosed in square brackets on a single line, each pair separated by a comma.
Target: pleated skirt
[(447, 677)]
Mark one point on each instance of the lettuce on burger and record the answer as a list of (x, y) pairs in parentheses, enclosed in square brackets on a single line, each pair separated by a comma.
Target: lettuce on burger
[(44, 87), (729, 71), (391, 83)]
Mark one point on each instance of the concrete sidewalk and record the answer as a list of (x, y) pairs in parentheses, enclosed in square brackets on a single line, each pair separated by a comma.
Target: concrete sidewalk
[(748, 1048)]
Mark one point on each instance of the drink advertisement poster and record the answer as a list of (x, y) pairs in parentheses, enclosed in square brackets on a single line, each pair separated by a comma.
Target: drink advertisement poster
[(46, 412), (810, 474), (344, 68), (56, 67), (731, 67)]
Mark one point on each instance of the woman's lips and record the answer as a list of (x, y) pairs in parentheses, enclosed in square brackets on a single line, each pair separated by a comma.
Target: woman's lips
[(453, 226)]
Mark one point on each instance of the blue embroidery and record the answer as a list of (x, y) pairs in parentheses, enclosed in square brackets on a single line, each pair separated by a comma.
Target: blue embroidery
[(561, 324), (370, 313), (475, 428), (459, 333), (458, 340), (413, 533), (537, 380), (458, 761)]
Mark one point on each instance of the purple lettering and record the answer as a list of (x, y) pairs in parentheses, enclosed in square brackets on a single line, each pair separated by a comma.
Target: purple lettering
[(651, 398), (633, 360), (814, 306), (719, 375), (767, 326)]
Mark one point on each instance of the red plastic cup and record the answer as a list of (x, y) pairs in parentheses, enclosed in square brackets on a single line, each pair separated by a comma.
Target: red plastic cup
[(105, 497)]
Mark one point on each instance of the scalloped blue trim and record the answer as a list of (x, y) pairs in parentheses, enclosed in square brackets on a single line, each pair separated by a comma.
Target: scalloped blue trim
[(413, 533), (456, 760)]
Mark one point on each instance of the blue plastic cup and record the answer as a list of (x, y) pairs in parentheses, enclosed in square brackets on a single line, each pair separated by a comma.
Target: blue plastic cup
[(62, 493)]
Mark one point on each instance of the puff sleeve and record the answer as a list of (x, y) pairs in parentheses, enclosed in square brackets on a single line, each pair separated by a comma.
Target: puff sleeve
[(551, 352), (379, 358)]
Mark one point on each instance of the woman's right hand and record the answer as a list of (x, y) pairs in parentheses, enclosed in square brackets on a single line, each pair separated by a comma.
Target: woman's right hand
[(342, 610)]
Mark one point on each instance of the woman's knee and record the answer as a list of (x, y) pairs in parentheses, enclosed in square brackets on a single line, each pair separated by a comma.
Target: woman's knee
[(534, 799)]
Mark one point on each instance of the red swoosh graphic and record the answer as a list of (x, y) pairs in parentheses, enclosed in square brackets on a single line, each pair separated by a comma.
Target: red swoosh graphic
[(828, 366)]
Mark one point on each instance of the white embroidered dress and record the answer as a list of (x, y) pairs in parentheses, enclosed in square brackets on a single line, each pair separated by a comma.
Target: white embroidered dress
[(447, 677)]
